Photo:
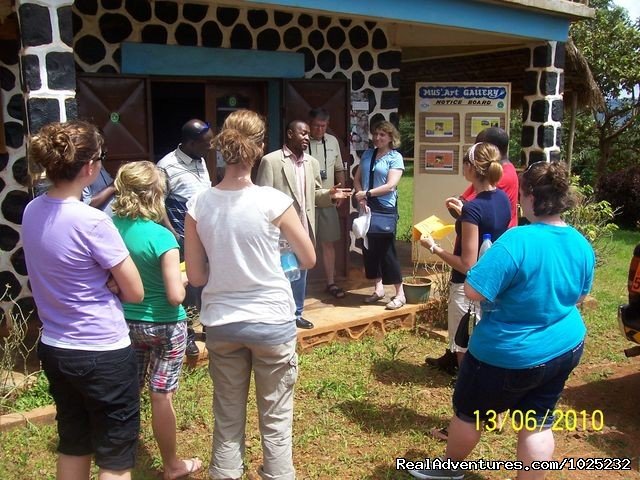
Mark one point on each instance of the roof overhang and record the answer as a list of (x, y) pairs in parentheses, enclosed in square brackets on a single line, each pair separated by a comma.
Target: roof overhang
[(431, 28)]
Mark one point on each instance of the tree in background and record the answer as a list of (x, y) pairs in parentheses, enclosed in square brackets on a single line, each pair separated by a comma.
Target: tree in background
[(611, 44)]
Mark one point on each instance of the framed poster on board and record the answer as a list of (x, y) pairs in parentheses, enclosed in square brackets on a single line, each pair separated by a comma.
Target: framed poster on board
[(438, 160), (438, 127), (480, 123)]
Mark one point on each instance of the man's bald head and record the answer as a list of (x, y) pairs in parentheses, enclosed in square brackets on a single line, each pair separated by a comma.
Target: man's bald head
[(193, 129), (197, 138)]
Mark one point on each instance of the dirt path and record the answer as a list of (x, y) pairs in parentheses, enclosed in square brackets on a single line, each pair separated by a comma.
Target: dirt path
[(614, 390)]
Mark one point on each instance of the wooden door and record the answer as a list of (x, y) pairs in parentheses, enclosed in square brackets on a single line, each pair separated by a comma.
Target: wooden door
[(226, 96), (118, 106), (300, 96)]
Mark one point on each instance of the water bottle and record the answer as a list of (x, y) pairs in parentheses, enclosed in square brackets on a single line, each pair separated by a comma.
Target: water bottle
[(289, 262), (485, 245)]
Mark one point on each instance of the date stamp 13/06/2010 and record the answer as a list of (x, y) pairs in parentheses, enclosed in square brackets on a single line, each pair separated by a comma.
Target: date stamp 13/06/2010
[(518, 420)]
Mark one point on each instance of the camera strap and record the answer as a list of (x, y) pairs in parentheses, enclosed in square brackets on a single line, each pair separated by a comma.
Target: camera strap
[(324, 146)]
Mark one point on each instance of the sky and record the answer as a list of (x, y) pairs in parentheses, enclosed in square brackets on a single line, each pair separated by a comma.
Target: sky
[(632, 6)]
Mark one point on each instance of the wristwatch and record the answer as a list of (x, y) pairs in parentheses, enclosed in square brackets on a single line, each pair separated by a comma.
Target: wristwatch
[(368, 194)]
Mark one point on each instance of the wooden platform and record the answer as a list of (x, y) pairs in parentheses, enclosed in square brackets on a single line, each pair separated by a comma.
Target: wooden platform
[(343, 319), (349, 318)]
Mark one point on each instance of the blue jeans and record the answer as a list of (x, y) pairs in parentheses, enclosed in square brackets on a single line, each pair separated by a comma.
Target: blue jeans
[(298, 288), (483, 388)]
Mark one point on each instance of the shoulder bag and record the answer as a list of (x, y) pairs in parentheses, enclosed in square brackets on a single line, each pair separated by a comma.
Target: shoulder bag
[(383, 219)]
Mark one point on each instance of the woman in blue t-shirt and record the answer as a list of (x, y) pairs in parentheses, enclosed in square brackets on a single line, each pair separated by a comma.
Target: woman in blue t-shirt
[(488, 213), (376, 180), (524, 349)]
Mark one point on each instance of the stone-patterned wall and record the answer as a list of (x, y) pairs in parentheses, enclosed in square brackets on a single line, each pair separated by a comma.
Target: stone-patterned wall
[(38, 86), (14, 192), (47, 61), (333, 47), (542, 108)]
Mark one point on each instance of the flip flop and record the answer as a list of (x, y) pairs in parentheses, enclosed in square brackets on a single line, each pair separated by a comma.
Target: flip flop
[(193, 465), (335, 290), (440, 433)]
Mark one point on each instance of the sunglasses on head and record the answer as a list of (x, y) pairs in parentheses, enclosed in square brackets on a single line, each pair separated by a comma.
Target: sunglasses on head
[(534, 163), (203, 129)]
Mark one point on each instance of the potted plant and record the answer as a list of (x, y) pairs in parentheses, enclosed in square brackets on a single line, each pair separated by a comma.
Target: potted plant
[(417, 288)]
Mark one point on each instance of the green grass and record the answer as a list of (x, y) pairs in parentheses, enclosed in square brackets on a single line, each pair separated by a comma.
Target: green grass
[(361, 404), (605, 342), (405, 204), (35, 396)]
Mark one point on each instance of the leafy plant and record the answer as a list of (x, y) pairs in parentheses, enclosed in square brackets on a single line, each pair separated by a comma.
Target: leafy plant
[(594, 219), (392, 347), (515, 136), (610, 42), (35, 396)]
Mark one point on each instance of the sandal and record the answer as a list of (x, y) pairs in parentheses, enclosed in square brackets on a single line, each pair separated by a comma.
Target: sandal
[(373, 298), (440, 433), (335, 290), (396, 303)]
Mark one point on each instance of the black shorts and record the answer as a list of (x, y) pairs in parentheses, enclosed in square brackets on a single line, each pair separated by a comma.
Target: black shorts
[(98, 403)]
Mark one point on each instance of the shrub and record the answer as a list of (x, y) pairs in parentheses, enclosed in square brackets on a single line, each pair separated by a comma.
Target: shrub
[(622, 190), (594, 219)]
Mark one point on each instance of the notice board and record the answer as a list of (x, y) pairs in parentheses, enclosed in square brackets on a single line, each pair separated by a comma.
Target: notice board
[(448, 116)]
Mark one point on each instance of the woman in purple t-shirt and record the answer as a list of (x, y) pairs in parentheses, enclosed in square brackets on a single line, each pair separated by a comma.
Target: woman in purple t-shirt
[(80, 271)]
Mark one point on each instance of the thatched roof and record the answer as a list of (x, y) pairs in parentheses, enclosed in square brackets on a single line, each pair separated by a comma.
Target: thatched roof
[(497, 66), (591, 93)]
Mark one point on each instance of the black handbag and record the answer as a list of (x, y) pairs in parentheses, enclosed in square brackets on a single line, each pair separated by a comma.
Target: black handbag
[(465, 328), (383, 219)]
